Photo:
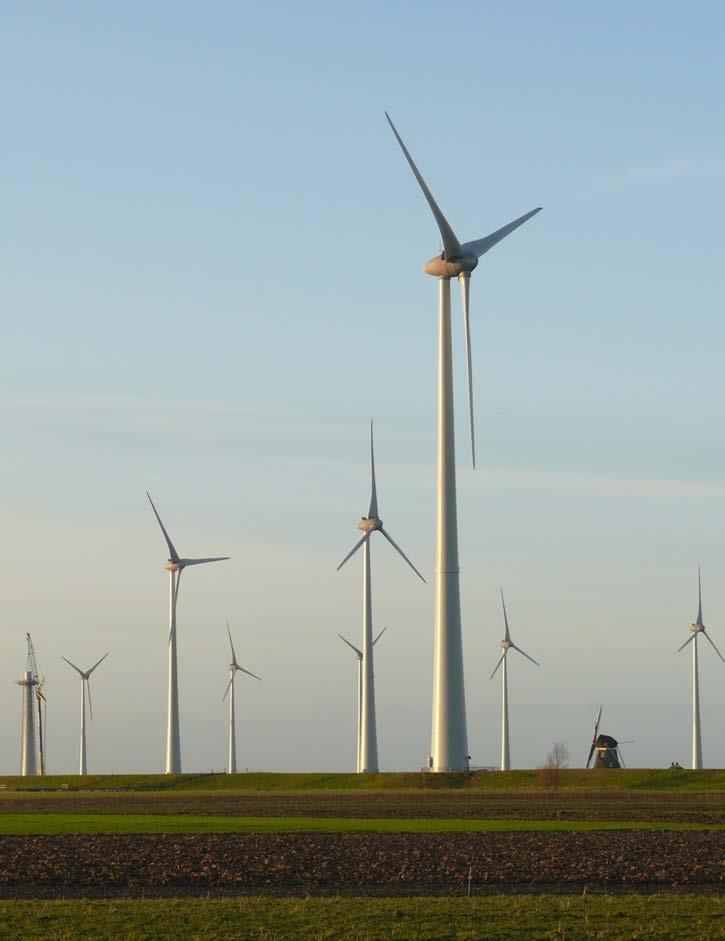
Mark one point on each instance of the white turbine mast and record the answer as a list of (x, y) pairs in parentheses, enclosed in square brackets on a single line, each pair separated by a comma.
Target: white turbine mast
[(449, 745), (359, 658), (85, 676), (368, 748), (507, 644), (175, 567), (234, 668), (696, 629)]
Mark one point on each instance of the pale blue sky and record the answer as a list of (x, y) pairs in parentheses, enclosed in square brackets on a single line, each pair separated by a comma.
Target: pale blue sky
[(213, 277)]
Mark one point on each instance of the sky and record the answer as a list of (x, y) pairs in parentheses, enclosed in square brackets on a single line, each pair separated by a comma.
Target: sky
[(212, 279)]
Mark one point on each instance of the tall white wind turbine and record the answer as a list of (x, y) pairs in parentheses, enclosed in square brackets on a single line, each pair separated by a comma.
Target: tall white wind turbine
[(359, 658), (507, 644), (368, 752), (85, 685), (449, 746), (175, 567), (234, 668), (697, 628)]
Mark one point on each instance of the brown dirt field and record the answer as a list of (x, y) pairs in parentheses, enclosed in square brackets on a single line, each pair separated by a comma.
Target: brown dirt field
[(594, 805), (359, 864)]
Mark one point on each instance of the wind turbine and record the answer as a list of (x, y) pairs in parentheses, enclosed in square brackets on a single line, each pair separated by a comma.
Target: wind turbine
[(368, 752), (359, 658), (85, 685), (697, 628), (175, 567), (449, 747), (507, 644), (234, 668)]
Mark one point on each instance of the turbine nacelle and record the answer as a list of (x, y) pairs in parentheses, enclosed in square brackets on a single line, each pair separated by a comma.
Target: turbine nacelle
[(442, 267), (505, 644), (369, 524)]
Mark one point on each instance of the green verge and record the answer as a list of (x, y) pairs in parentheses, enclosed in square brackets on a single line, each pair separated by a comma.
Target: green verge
[(570, 779), (534, 918), (48, 824)]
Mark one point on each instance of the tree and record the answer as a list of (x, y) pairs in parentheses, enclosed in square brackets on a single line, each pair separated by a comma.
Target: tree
[(557, 759)]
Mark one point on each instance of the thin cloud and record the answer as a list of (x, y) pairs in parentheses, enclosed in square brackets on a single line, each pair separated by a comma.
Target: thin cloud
[(671, 170)]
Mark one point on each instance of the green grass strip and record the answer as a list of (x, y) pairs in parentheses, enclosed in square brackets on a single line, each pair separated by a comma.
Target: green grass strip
[(622, 779), (18, 824), (523, 918)]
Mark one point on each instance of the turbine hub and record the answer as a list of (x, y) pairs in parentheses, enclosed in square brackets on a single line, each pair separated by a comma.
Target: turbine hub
[(369, 524), (440, 267), (505, 644), (173, 566), (697, 628)]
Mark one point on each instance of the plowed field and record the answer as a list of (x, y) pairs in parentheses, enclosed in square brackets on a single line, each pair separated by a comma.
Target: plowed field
[(359, 864)]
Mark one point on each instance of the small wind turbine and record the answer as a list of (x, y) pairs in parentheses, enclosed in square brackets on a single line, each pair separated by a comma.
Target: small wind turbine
[(606, 747), (449, 745), (368, 754), (507, 644), (175, 567), (359, 658), (234, 668), (697, 628), (85, 676)]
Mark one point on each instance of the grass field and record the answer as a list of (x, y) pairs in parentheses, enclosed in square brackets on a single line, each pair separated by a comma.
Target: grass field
[(571, 779), (28, 823), (540, 918)]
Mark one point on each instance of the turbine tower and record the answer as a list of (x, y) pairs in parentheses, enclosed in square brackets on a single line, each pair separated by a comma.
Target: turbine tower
[(368, 752), (28, 757), (359, 658), (85, 685), (697, 628), (175, 567), (507, 644), (449, 746), (234, 668)]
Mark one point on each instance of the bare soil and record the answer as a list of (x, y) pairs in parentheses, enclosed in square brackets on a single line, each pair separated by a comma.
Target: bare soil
[(537, 805), (359, 864)]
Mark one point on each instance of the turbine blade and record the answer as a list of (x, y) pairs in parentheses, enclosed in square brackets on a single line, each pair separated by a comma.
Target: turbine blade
[(379, 636), (465, 279), (90, 701), (373, 511), (498, 665), (242, 670), (226, 691), (699, 597), (505, 618), (451, 245), (173, 554), (354, 550), (351, 646), (397, 547), (523, 654), (80, 672), (218, 558), (234, 656), (591, 752), (688, 641), (481, 246), (98, 664), (713, 644)]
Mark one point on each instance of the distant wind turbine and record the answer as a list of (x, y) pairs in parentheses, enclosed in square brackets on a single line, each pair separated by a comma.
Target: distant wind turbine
[(175, 567), (359, 658), (697, 628), (234, 668), (449, 744), (507, 644), (368, 756), (85, 676)]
